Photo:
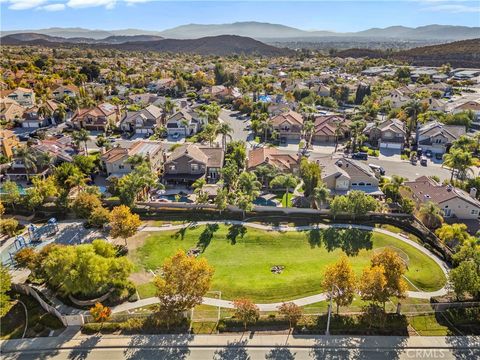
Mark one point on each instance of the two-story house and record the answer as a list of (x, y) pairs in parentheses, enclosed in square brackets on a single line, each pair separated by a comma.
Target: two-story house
[(115, 160), (344, 174), (23, 96), (437, 137), (190, 162), (330, 128), (61, 91), (454, 202), (183, 123), (288, 125), (389, 134), (10, 110), (143, 121), (8, 143), (100, 117), (285, 163)]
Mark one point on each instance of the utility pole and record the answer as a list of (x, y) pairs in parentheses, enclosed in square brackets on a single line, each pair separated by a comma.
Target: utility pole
[(327, 332)]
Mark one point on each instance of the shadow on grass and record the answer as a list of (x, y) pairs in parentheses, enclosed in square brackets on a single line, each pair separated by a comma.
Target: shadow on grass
[(206, 236), (350, 241), (235, 231)]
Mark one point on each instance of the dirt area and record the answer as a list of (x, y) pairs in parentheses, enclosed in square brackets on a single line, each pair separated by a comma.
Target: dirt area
[(136, 240), (141, 277)]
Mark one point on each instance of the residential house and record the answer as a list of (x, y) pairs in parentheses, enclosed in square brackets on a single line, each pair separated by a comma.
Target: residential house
[(163, 86), (143, 121), (32, 119), (60, 149), (221, 93), (329, 127), (8, 143), (471, 105), (61, 91), (454, 202), (285, 163), (23, 96), (115, 160), (389, 134), (144, 99), (190, 162), (183, 123), (288, 125), (437, 137), (435, 104), (344, 175), (10, 110), (397, 98), (100, 117)]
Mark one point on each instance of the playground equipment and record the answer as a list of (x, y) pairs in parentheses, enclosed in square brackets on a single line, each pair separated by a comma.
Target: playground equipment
[(50, 228)]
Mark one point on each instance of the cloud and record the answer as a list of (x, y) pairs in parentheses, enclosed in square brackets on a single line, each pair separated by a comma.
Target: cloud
[(453, 8), (76, 4), (25, 4), (52, 7)]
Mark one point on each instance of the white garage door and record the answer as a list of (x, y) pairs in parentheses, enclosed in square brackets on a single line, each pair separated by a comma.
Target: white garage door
[(390, 145)]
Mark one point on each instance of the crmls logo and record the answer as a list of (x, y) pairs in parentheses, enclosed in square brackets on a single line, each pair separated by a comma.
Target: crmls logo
[(425, 353)]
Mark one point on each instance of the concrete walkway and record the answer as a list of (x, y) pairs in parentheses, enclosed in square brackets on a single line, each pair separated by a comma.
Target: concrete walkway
[(301, 301)]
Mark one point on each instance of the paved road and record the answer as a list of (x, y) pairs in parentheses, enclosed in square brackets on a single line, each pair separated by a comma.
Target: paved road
[(237, 123), (251, 346), (233, 353)]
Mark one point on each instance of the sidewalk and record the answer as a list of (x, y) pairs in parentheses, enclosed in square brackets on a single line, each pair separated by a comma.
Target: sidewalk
[(247, 340)]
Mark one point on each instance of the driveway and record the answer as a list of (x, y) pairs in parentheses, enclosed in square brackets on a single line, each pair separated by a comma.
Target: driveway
[(238, 123)]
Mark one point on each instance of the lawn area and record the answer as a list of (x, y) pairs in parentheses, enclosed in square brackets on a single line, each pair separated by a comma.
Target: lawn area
[(243, 258)]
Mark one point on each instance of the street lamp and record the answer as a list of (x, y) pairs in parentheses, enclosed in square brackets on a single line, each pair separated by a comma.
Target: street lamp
[(327, 332)]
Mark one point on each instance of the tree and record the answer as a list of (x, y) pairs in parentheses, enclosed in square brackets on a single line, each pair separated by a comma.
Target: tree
[(340, 279), (430, 215), (225, 130), (221, 200), (85, 203), (308, 129), (201, 194), (5, 286), (458, 160), (291, 312), (394, 269), (246, 311), (87, 269), (26, 258), (286, 182), (465, 279), (372, 284), (311, 175), (81, 136), (28, 158), (68, 175), (8, 226), (99, 217), (249, 185), (453, 235), (183, 283), (100, 313), (86, 163), (123, 223), (11, 193), (356, 203), (413, 108), (320, 194)]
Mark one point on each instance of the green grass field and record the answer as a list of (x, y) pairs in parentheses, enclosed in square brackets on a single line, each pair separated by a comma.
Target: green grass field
[(243, 257)]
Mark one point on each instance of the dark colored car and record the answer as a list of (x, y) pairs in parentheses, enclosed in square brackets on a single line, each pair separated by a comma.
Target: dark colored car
[(419, 152), (360, 156), (428, 153)]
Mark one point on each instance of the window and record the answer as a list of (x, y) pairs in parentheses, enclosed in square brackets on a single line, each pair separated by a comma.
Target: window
[(194, 167), (121, 167), (172, 168), (474, 212)]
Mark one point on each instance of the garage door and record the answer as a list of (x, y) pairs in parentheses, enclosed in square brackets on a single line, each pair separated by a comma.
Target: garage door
[(390, 145)]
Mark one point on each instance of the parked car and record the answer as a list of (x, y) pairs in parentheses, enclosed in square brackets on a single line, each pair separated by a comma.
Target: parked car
[(377, 169), (428, 153), (360, 156), (423, 161), (175, 136), (419, 152)]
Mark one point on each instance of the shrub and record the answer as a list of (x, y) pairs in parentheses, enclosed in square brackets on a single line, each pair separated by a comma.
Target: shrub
[(9, 226)]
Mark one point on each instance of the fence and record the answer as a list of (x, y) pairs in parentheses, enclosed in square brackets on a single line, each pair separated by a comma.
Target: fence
[(27, 290)]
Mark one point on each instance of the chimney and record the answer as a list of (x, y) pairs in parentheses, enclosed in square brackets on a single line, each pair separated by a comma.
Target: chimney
[(473, 192)]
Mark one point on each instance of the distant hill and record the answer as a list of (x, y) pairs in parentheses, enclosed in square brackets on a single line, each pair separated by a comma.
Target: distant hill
[(279, 33), (16, 39), (213, 45), (458, 54)]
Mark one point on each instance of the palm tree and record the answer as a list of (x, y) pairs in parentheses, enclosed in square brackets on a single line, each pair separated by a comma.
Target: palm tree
[(168, 108), (44, 110), (80, 136), (308, 129), (431, 215), (60, 113), (320, 194), (285, 181), (265, 125), (102, 141), (458, 160), (249, 184), (339, 131), (210, 132), (225, 130), (28, 158), (413, 108), (136, 160)]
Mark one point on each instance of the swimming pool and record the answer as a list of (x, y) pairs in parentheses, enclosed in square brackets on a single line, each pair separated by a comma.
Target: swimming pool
[(172, 198), (260, 201), (21, 189)]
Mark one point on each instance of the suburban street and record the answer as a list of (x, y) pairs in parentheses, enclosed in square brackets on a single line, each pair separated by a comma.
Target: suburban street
[(240, 347), (238, 124)]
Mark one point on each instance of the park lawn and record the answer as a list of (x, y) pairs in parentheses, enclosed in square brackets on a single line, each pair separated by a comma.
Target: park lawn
[(243, 263)]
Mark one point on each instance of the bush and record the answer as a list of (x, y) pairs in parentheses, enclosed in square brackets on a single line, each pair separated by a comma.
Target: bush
[(9, 226)]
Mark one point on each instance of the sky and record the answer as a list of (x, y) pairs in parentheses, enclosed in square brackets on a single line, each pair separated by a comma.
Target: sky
[(334, 15)]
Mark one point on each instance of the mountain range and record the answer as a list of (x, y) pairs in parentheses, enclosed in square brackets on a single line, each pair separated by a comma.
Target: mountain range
[(212, 45), (276, 32)]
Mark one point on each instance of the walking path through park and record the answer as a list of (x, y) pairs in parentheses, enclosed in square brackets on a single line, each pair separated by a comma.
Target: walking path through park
[(302, 301)]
